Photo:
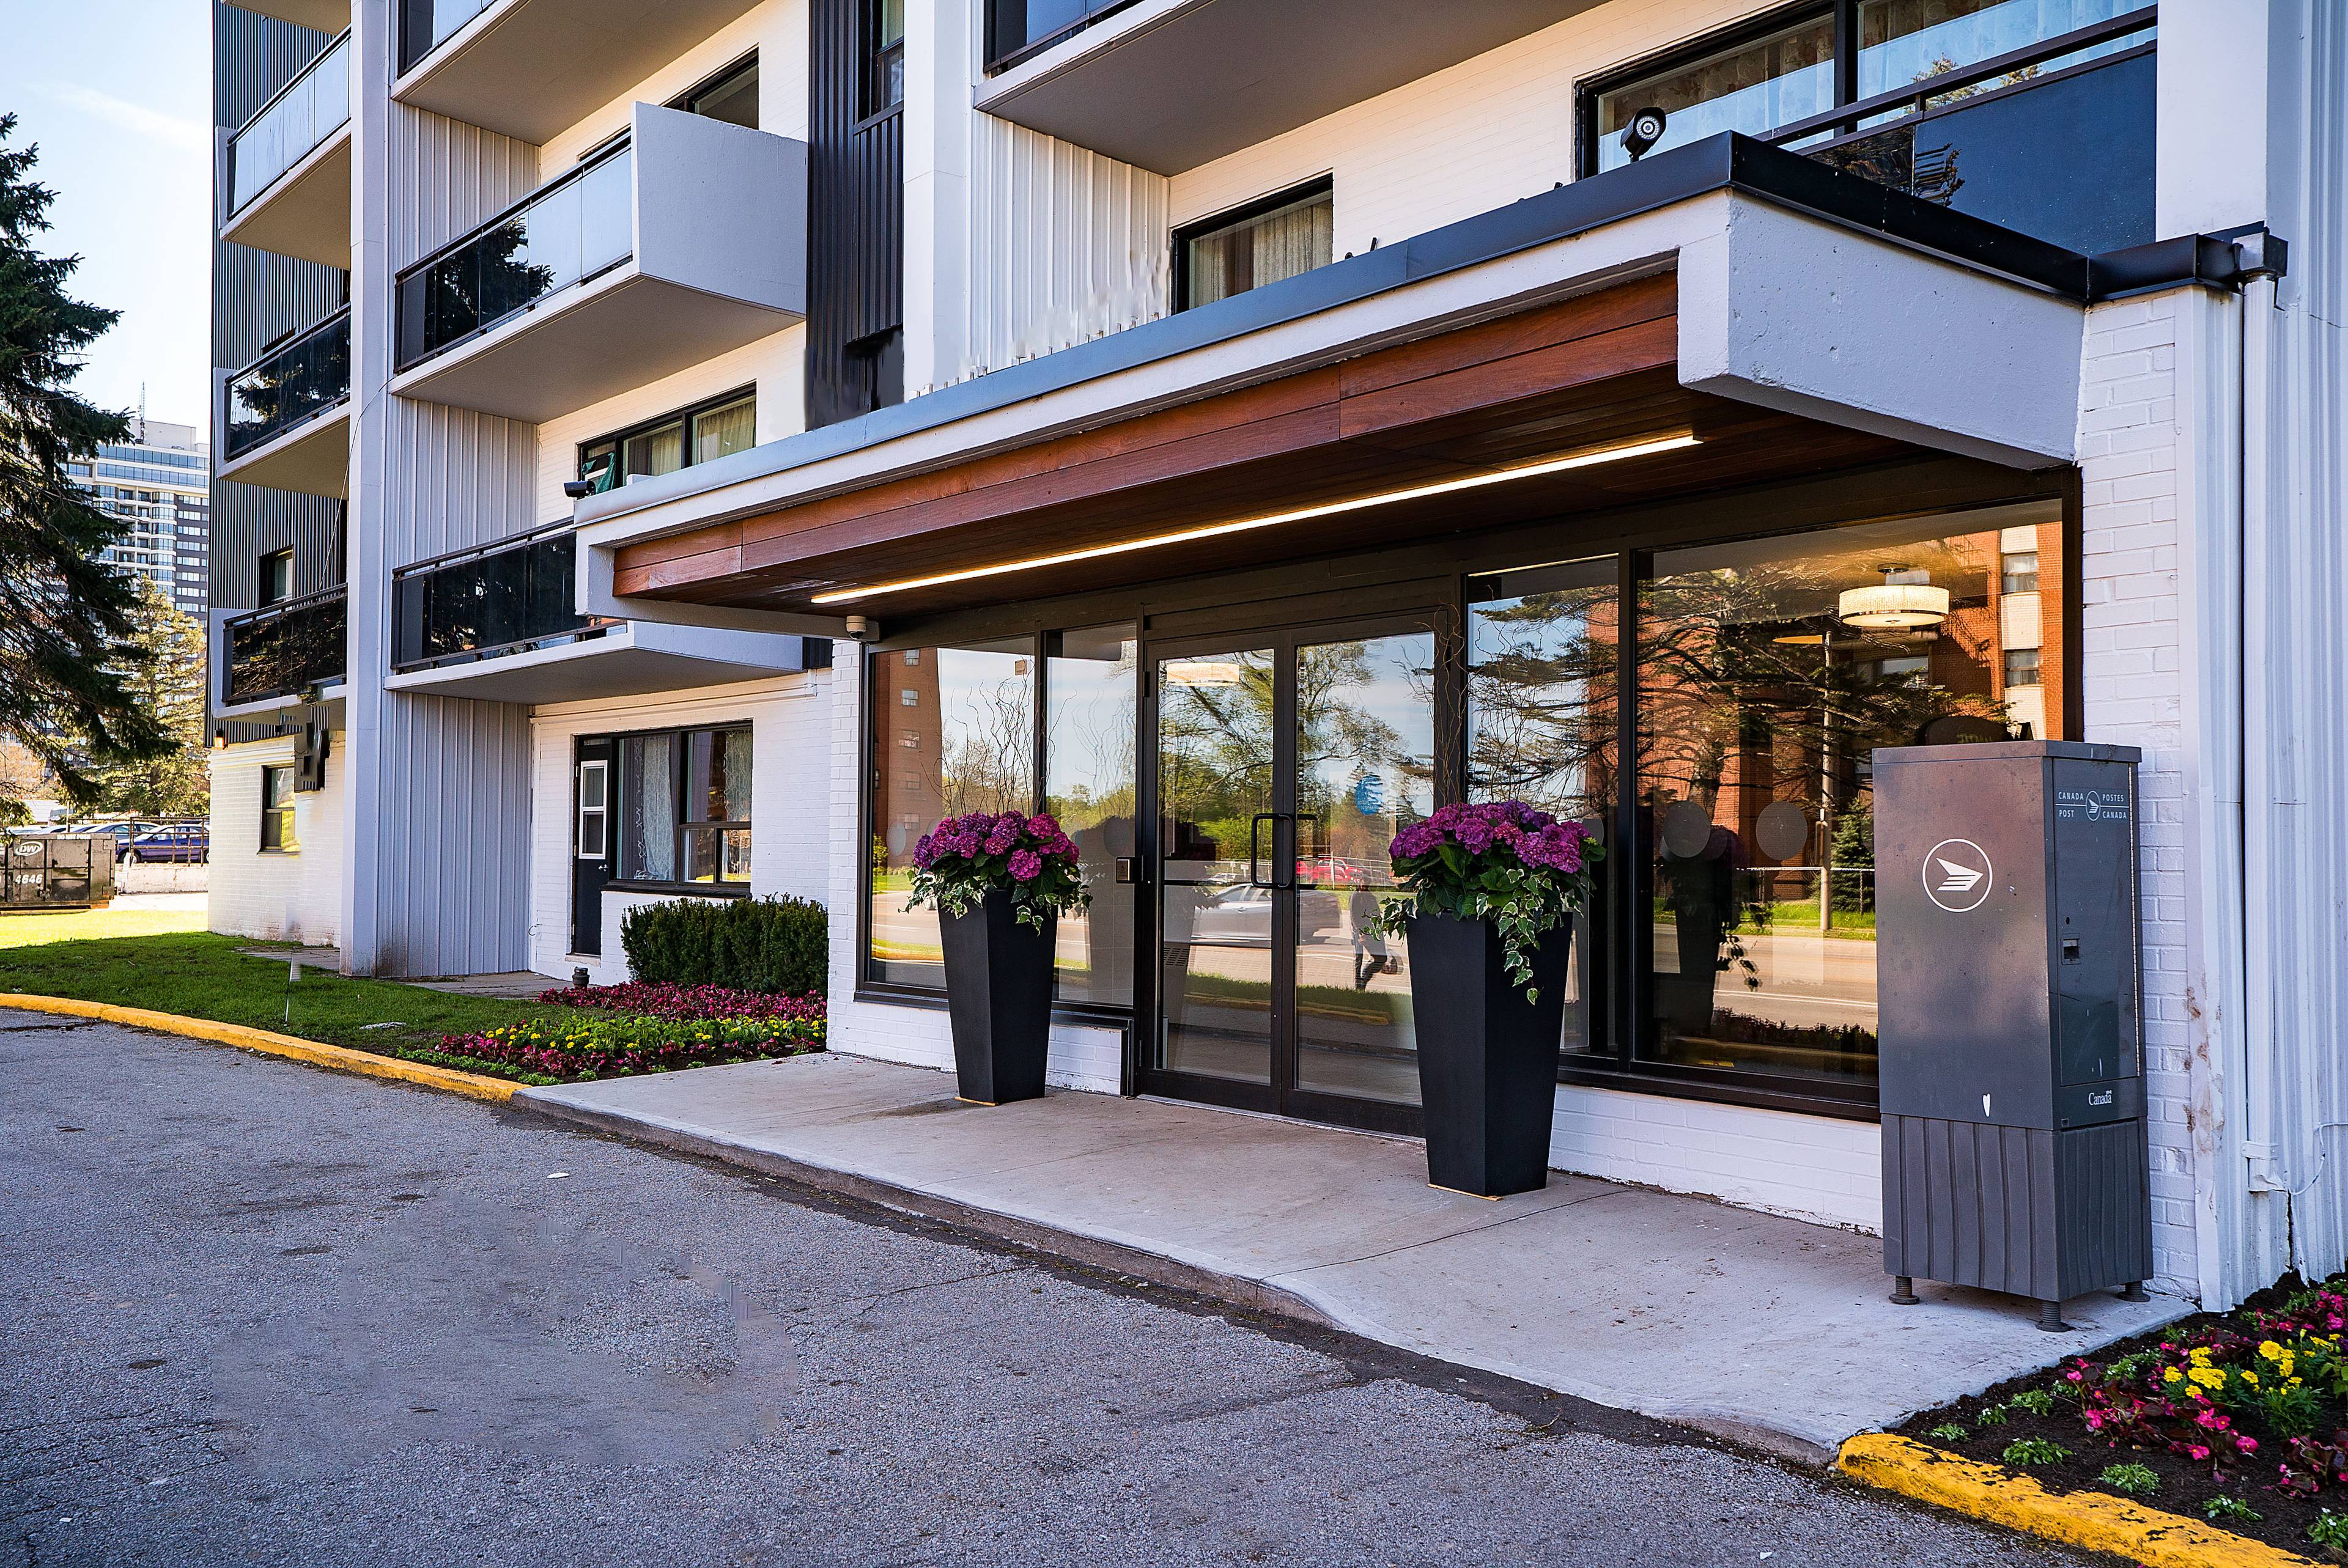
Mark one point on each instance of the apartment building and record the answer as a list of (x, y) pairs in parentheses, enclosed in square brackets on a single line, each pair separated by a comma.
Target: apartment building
[(762, 427), (159, 482)]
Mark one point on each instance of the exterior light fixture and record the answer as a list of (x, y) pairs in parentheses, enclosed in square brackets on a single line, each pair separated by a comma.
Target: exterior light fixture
[(1244, 524), (1904, 602), (220, 739)]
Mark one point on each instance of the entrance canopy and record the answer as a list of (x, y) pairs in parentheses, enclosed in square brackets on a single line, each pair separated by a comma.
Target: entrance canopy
[(1570, 407), (1702, 322)]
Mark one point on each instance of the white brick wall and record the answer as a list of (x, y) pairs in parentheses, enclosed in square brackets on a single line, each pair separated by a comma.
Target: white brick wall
[(2131, 641), (791, 731), (1482, 134), (277, 897)]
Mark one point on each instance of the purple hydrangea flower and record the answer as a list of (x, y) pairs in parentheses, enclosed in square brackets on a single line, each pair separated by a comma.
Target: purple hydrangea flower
[(1026, 864)]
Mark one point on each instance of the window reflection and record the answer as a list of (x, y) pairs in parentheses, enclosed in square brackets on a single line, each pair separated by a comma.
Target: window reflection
[(1768, 674), (1090, 724), (1542, 728), (953, 731)]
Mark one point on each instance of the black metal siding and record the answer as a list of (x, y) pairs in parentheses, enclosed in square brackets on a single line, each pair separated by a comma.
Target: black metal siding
[(855, 220)]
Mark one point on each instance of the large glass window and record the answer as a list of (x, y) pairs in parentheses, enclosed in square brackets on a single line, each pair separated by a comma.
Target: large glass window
[(685, 808), (1091, 718), (1769, 673), (1294, 232), (672, 442), (1543, 726), (731, 96), (952, 731), (1906, 41), (1752, 86)]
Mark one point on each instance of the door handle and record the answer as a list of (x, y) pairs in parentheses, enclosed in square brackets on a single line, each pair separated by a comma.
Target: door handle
[(1255, 853)]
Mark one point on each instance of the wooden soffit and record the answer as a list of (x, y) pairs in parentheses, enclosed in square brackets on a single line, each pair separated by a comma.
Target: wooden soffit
[(1583, 375)]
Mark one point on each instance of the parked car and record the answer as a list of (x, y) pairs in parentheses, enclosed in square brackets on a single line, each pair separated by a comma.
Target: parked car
[(189, 843), (124, 831)]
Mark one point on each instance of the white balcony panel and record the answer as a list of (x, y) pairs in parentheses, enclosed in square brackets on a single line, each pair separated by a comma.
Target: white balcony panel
[(629, 660), (719, 259), (325, 16), (529, 68), (1131, 86), (307, 210), (314, 457)]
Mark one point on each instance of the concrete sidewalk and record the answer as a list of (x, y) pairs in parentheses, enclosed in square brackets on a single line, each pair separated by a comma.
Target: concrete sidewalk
[(1764, 1330)]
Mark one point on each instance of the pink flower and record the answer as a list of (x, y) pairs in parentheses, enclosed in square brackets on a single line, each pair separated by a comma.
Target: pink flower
[(2247, 1444), (2197, 1451), (1026, 864)]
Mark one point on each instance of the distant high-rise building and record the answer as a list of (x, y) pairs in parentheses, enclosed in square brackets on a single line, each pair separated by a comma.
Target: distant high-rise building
[(161, 482)]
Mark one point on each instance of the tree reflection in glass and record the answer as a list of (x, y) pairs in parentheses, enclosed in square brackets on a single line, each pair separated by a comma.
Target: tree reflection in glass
[(1764, 691)]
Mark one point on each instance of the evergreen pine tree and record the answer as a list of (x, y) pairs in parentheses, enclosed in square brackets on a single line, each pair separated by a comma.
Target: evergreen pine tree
[(163, 666), (65, 614)]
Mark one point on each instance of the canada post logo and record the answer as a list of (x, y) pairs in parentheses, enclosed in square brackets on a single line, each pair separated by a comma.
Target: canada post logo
[(1957, 875)]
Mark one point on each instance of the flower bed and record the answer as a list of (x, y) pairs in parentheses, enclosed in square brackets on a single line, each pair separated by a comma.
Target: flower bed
[(2240, 1417), (675, 1001), (612, 1032)]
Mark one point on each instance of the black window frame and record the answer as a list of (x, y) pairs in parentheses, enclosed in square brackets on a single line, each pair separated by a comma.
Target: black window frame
[(618, 439), (1325, 184), (724, 76), (874, 58), (680, 737), (264, 591), (277, 816), (1845, 13)]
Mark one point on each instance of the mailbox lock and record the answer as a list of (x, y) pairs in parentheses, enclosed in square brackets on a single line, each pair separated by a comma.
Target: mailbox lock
[(2070, 949)]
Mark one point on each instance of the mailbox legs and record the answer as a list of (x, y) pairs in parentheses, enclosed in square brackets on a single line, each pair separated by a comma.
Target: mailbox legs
[(2049, 1317), (1903, 1290)]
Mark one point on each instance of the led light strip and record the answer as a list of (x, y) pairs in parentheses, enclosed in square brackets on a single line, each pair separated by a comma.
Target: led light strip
[(1212, 531)]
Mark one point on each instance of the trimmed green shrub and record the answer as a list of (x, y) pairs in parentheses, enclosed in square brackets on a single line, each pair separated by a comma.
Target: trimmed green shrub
[(775, 945)]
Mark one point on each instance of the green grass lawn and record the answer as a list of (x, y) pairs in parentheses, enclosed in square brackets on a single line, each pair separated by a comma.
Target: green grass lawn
[(71, 924), (198, 975)]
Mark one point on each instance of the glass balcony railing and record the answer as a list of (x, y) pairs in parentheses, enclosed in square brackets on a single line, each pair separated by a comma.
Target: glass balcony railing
[(1017, 29), (282, 649), (290, 384), (505, 598), (581, 225), (425, 24), (289, 127)]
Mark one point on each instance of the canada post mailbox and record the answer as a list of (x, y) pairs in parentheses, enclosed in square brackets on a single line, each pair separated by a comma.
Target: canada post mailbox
[(2014, 1149)]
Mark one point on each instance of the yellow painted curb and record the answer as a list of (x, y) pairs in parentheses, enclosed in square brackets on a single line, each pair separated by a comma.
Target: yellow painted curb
[(477, 1085), (2095, 1519)]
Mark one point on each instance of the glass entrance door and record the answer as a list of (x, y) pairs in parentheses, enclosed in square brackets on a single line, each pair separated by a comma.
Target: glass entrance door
[(1284, 764)]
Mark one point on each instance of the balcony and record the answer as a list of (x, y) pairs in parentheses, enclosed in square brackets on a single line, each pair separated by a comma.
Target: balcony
[(685, 240), (500, 624), (324, 15), (529, 68), (289, 167), (279, 653), (1126, 76), (2053, 140), (288, 418)]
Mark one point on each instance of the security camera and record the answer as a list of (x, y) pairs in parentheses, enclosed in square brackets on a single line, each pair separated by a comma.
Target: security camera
[(860, 629), (1646, 129), (578, 489)]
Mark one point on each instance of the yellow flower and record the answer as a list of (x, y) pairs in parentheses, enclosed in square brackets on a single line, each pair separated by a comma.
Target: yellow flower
[(2172, 1376), (2271, 1351), (2251, 1378)]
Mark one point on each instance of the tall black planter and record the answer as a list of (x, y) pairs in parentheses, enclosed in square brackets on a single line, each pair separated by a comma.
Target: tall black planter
[(999, 995), (1487, 1057)]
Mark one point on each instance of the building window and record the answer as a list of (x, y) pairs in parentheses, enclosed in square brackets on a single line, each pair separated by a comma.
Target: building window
[(663, 445), (276, 584), (2022, 667), (971, 710), (684, 809), (595, 828), (1091, 720), (1782, 68), (1262, 242), (2019, 572), (732, 95), (277, 836), (884, 79)]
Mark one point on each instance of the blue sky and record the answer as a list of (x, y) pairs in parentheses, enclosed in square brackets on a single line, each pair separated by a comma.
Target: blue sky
[(118, 93)]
